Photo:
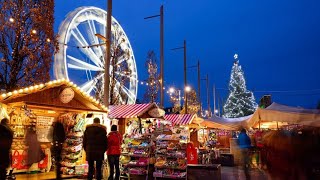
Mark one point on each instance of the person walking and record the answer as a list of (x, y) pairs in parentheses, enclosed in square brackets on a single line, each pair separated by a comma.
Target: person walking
[(6, 138), (244, 143), (113, 152), (59, 137), (95, 144)]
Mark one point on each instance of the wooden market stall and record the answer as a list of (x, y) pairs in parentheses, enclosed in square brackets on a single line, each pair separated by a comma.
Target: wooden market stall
[(137, 123), (39, 106)]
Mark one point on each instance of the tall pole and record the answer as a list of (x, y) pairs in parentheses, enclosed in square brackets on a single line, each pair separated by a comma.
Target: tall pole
[(208, 99), (107, 56), (185, 75), (199, 97), (214, 99), (161, 57), (161, 53)]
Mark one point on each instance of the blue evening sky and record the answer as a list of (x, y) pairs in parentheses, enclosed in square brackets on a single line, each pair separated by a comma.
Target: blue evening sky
[(278, 42)]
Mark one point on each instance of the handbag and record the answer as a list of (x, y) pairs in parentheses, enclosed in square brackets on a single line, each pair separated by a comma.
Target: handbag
[(105, 169)]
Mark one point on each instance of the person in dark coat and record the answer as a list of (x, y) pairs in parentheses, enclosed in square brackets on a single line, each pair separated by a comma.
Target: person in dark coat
[(95, 144), (6, 138), (114, 151), (58, 138)]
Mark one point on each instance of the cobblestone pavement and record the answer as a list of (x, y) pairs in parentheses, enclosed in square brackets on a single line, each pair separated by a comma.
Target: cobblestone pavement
[(227, 173)]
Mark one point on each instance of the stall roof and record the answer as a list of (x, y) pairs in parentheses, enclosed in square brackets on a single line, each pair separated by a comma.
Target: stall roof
[(180, 119), (225, 123), (47, 94), (282, 113), (129, 110)]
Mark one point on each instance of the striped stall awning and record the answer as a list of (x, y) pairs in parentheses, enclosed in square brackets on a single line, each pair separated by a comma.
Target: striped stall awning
[(129, 110), (180, 119)]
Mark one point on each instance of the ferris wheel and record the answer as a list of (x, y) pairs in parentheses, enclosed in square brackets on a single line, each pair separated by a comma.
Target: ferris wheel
[(81, 55)]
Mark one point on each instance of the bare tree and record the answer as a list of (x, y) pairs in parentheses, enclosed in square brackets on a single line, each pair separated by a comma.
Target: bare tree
[(27, 42)]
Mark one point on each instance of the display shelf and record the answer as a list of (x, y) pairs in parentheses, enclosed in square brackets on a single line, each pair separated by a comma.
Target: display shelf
[(135, 155), (167, 139), (138, 151), (171, 167), (171, 158)]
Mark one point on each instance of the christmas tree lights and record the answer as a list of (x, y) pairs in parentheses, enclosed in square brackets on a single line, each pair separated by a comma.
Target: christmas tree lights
[(240, 102)]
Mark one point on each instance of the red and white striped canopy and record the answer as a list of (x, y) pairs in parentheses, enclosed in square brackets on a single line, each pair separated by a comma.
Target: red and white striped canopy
[(180, 119), (129, 110)]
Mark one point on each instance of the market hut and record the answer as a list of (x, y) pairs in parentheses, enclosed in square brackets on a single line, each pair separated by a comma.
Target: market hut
[(126, 113), (277, 115), (41, 105)]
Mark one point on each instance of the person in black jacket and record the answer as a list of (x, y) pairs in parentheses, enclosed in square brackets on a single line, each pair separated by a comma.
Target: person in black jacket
[(6, 138), (58, 138), (95, 145)]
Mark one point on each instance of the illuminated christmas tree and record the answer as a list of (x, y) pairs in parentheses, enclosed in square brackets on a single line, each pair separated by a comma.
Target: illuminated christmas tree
[(151, 94), (193, 103), (240, 102), (27, 42)]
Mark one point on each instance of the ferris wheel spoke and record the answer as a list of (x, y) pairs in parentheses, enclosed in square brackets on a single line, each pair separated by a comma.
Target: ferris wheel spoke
[(125, 90), (81, 65), (87, 51), (92, 37), (90, 85), (131, 76)]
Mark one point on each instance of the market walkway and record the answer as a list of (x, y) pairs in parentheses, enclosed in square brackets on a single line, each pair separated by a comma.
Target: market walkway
[(227, 173)]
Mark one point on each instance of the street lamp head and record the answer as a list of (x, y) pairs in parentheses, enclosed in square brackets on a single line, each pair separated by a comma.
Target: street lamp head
[(171, 90), (187, 89)]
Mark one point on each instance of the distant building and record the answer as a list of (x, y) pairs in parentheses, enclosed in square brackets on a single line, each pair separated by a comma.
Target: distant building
[(265, 101)]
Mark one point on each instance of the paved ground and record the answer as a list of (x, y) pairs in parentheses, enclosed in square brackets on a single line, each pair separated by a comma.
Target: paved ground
[(227, 173)]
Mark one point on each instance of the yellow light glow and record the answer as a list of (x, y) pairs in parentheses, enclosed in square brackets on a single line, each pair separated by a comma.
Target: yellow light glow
[(36, 86), (54, 81), (3, 95), (11, 20), (50, 83), (48, 40), (34, 31), (9, 94), (21, 91), (31, 88), (41, 85), (51, 112), (26, 89), (59, 81), (15, 92)]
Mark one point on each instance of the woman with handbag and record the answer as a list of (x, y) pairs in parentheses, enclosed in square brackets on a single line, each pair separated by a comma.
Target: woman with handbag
[(114, 151)]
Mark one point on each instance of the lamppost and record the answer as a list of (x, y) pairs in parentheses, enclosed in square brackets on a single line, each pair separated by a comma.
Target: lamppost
[(186, 89), (184, 47), (161, 53), (208, 99)]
